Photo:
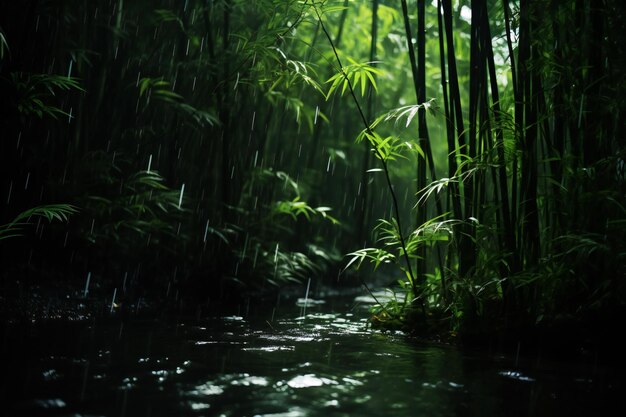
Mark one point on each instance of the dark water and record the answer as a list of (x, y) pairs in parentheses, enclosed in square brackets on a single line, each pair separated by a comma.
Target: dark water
[(326, 364)]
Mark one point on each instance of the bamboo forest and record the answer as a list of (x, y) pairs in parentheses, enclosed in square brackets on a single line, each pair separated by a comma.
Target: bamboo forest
[(292, 208)]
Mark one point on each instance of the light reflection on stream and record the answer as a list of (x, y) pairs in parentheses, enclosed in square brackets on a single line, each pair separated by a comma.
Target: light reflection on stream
[(326, 364)]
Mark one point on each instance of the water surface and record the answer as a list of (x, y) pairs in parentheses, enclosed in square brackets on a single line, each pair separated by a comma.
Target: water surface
[(326, 363)]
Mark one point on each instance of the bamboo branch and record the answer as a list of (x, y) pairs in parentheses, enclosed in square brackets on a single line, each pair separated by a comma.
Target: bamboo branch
[(377, 151)]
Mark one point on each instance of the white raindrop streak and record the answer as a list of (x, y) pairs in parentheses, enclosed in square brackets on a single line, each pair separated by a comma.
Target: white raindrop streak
[(27, 179), (206, 230), (236, 82), (317, 112), (149, 163), (87, 285), (10, 189), (180, 199), (306, 298), (38, 224), (256, 254), (113, 300)]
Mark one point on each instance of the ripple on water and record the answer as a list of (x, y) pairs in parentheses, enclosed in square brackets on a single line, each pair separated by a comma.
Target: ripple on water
[(292, 412), (196, 406), (309, 380), (208, 388), (351, 381), (220, 384), (297, 337), (233, 318), (128, 383), (516, 375), (52, 403), (248, 380), (441, 385), (220, 342), (270, 349), (51, 375)]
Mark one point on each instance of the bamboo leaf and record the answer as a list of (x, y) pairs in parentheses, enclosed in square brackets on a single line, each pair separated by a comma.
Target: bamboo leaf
[(372, 80)]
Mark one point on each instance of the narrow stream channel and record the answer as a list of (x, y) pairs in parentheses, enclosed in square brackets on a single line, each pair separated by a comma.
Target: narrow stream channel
[(327, 363)]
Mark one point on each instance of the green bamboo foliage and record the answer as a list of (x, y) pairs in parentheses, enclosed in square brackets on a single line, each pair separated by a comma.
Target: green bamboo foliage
[(517, 149), (491, 145), (180, 91), (50, 212)]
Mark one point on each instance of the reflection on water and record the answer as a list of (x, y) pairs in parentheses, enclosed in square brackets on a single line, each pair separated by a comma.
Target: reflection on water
[(326, 364)]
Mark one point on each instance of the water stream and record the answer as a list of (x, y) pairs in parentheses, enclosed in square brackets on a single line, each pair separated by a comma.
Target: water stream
[(327, 363)]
